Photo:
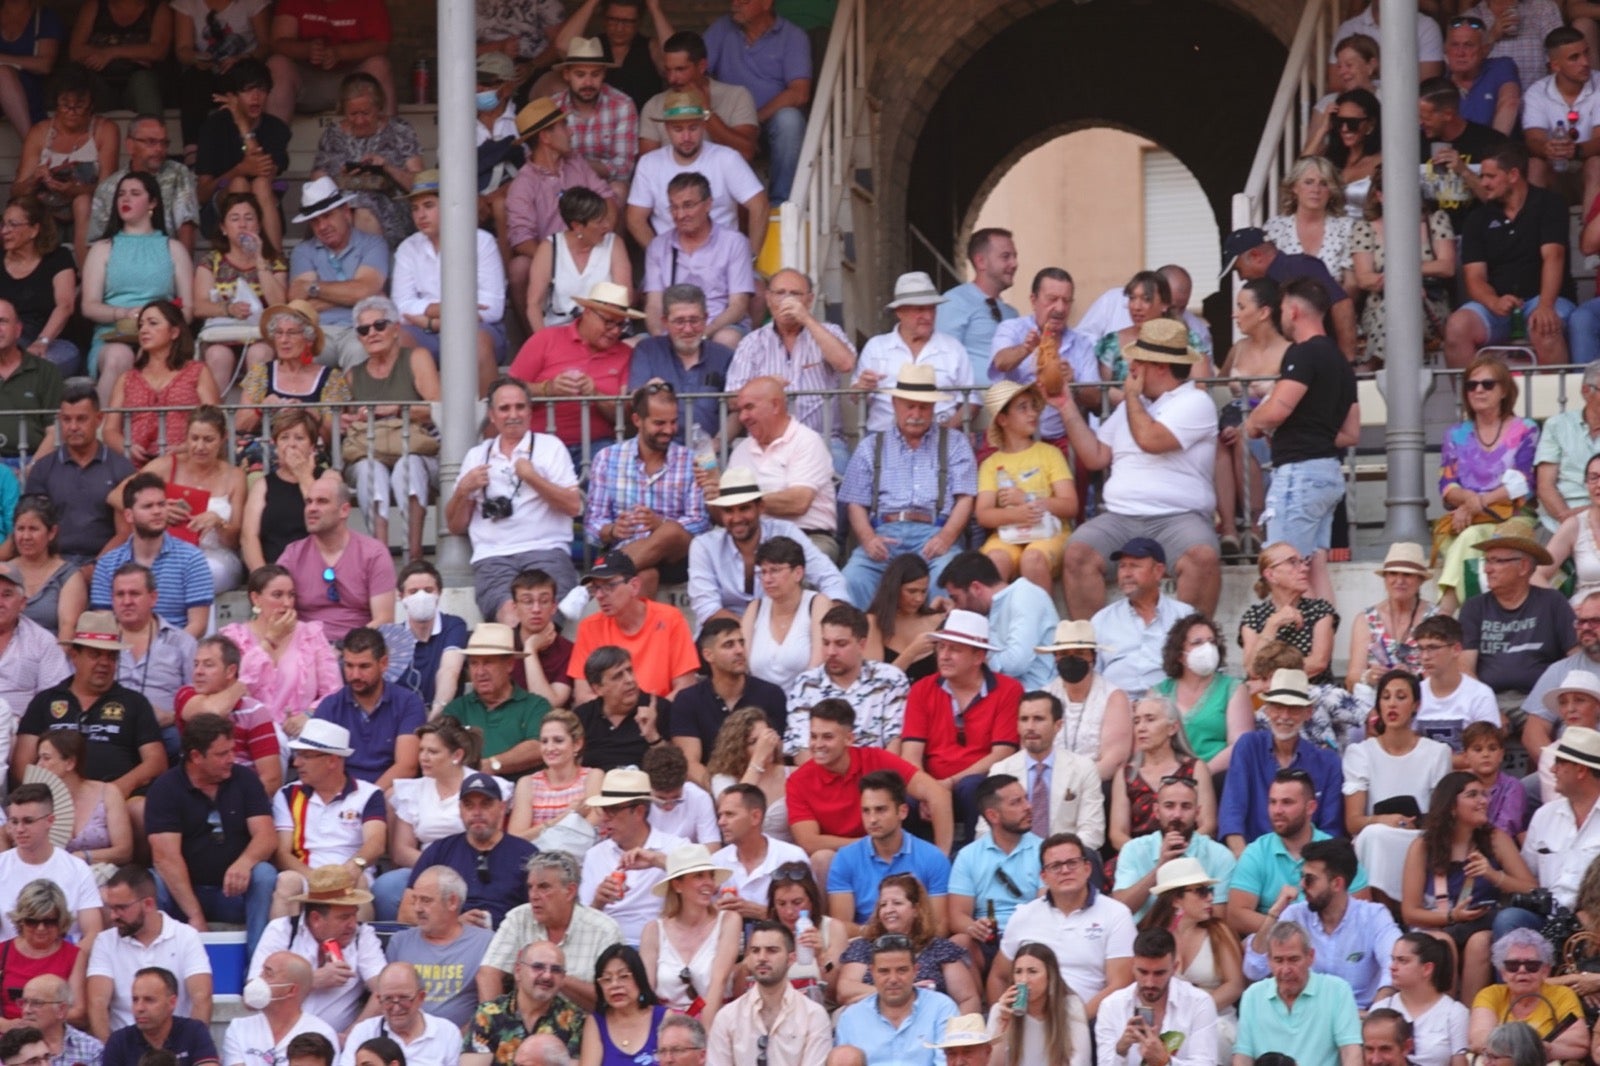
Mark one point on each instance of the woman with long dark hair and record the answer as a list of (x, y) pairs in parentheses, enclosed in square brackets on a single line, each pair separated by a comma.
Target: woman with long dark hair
[(1210, 956), (1355, 144), (165, 373), (901, 619), (621, 1030), (1420, 972)]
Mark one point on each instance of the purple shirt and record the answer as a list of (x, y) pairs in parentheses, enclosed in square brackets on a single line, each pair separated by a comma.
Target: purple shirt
[(778, 57), (1464, 461), (720, 266), (1508, 802), (364, 570), (531, 212)]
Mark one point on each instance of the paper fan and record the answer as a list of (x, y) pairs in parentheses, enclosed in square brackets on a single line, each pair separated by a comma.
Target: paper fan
[(60, 802)]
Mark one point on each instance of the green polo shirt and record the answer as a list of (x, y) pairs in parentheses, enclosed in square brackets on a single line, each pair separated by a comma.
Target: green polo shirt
[(35, 387), (505, 726)]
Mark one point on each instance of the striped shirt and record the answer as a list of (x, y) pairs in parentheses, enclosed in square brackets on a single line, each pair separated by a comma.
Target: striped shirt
[(183, 580), (763, 354), (618, 482)]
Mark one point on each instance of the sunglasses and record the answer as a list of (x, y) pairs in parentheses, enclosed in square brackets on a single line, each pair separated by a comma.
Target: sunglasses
[(893, 942), (379, 326), (483, 867), (1348, 122), (1521, 965), (333, 588), (1480, 384), (994, 308), (1292, 775), (1179, 779), (1011, 886), (1469, 21), (792, 871), (41, 923)]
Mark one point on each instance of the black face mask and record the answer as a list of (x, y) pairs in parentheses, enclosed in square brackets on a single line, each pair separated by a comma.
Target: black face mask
[(1073, 669)]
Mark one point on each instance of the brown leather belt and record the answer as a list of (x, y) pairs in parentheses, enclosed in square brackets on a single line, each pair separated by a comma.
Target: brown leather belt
[(925, 517)]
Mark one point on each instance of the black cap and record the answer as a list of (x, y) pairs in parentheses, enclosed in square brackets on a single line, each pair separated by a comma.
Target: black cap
[(612, 564), (1239, 242), (1141, 548)]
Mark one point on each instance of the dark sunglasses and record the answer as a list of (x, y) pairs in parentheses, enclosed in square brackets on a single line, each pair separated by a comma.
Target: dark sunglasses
[(761, 1050), (380, 325), (792, 871), (1179, 779), (483, 867), (39, 923), (893, 942), (1348, 122), (1469, 21), (1292, 775), (1521, 965), (1011, 886), (994, 308), (688, 982), (333, 589), (1480, 384)]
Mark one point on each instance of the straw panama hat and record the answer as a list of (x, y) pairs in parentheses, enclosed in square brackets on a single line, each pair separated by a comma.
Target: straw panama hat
[(1071, 636), (1162, 340), (684, 861), (1183, 872), (1517, 534), (1405, 558), (917, 383)]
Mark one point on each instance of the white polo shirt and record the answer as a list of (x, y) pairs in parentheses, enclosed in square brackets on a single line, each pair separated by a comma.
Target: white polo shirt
[(339, 1005), (327, 832), (534, 525), (176, 948), (797, 456), (638, 904), (248, 1040), (1558, 850), (886, 353), (1082, 940), (439, 1044), (753, 884), (1543, 105), (69, 872)]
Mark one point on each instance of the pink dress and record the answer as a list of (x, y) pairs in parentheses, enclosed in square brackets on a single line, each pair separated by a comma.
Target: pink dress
[(182, 392), (305, 672)]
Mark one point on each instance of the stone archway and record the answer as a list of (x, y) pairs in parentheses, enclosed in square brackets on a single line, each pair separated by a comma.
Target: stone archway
[(1196, 76)]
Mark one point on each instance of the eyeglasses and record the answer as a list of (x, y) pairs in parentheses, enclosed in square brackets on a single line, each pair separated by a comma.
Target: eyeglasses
[(1201, 890), (1468, 21), (1179, 779), (333, 588), (1064, 866), (397, 1001), (552, 968), (36, 1060), (1589, 622), (1521, 965), (1480, 384), (674, 1052), (1502, 560), (688, 982), (686, 321), (657, 388), (667, 803), (610, 323), (761, 1050), (26, 822), (483, 867), (152, 141), (38, 923), (685, 207), (26, 1002), (994, 308), (379, 326), (1293, 560)]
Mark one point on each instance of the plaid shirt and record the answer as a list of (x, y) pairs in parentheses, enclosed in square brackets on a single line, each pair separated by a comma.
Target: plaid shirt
[(78, 1048), (879, 697), (610, 135), (618, 482), (762, 354), (589, 932)]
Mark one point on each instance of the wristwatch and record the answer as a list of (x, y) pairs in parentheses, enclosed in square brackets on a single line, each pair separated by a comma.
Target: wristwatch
[(314, 290), (361, 864), (494, 766)]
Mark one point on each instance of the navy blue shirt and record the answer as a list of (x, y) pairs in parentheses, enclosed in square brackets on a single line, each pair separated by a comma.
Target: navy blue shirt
[(415, 663), (655, 358), (190, 1040), (174, 805), (399, 713), (503, 884), (698, 711)]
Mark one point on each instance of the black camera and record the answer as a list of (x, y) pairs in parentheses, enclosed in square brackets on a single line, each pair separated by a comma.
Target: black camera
[(1539, 902), (497, 507)]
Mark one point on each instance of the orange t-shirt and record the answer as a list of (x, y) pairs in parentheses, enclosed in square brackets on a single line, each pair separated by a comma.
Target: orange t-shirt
[(662, 649)]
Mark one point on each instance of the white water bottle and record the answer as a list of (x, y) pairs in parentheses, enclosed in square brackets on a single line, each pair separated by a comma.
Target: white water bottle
[(803, 956)]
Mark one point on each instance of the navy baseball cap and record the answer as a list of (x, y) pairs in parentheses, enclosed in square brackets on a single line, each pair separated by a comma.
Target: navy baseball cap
[(1239, 242), (1141, 548), (482, 783)]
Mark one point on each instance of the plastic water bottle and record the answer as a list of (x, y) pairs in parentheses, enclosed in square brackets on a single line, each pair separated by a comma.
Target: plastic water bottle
[(705, 453), (1559, 134), (803, 956)]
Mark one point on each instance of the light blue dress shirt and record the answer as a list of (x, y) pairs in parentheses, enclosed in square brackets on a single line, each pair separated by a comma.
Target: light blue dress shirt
[(1356, 950), (1022, 616)]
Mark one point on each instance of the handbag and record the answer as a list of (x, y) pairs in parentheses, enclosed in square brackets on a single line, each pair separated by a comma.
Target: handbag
[(388, 442)]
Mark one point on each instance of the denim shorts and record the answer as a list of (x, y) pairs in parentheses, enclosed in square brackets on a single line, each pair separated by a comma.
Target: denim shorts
[(1301, 502), (1499, 326)]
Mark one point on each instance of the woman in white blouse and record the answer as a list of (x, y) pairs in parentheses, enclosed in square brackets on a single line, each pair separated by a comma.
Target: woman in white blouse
[(417, 285), (1421, 973), (1314, 221)]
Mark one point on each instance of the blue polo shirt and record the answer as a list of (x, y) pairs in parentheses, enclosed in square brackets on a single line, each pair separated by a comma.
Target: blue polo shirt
[(1266, 867), (862, 1026), (503, 882), (399, 713), (190, 1040), (655, 358), (1243, 810), (183, 580), (766, 67), (311, 256), (858, 870), (1323, 1019), (977, 873)]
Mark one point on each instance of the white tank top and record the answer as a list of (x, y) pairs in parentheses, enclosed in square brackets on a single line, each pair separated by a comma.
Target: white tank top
[(569, 281)]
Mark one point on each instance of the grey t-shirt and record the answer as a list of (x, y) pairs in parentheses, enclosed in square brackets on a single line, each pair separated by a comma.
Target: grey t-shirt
[(448, 971), (1515, 647)]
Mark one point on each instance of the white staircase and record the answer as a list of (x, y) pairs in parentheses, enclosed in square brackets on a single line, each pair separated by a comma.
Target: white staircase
[(826, 223)]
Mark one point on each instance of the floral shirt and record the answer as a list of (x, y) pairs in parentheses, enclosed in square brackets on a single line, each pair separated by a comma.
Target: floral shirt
[(1464, 461), (395, 142), (496, 1029)]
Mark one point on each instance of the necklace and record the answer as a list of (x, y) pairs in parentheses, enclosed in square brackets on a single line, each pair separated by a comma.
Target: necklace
[(1477, 430)]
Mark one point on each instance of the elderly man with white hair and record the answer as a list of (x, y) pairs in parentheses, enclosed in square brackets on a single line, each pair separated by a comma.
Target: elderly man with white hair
[(427, 1039), (913, 342)]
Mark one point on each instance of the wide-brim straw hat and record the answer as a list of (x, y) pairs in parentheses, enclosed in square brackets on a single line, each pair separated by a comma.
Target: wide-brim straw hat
[(684, 861), (584, 52), (736, 485), (333, 886), (917, 383), (1071, 635), (302, 310), (1183, 872), (1405, 558), (622, 786), (491, 638), (965, 627), (1291, 688), (1162, 340), (997, 397), (915, 289), (1518, 535), (323, 737), (319, 196), (967, 1030), (1579, 745), (537, 114), (608, 296), (97, 629)]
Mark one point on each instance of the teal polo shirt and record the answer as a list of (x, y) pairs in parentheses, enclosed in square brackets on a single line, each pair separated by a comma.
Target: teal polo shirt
[(1266, 866), (1323, 1019), (977, 873)]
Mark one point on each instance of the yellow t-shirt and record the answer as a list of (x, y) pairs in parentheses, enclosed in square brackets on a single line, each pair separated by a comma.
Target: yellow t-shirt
[(1035, 469), (1498, 999)]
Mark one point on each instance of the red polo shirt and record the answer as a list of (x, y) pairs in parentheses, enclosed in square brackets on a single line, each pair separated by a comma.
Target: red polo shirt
[(556, 349), (833, 800), (990, 720)]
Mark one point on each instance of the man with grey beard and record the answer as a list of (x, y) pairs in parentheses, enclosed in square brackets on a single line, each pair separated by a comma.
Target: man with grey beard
[(679, 353)]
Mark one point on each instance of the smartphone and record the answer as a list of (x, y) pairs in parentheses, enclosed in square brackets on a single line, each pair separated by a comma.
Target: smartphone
[(1146, 1015)]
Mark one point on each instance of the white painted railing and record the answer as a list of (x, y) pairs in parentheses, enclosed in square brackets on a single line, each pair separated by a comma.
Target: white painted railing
[(809, 222), (1303, 83)]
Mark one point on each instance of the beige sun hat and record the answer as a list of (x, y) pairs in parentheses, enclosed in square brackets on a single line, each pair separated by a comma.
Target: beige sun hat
[(1071, 635), (621, 786), (917, 383), (1579, 681), (1579, 745), (584, 52), (693, 859), (736, 485), (1405, 558), (997, 397), (1291, 688), (1162, 340), (333, 886), (1518, 535), (915, 289), (608, 296), (97, 629), (967, 1030), (1183, 872)]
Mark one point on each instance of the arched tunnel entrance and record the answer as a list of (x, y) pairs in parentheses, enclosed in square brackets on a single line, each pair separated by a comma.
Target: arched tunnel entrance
[(1196, 76)]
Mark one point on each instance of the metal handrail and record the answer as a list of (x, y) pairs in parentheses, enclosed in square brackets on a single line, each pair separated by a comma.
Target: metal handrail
[(944, 269), (807, 220)]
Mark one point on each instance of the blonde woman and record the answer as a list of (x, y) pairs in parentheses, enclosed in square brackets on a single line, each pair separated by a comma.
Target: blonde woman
[(1313, 221), (561, 786), (690, 950)]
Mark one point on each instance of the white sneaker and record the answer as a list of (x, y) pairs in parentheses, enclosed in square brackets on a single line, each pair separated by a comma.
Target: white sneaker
[(573, 603)]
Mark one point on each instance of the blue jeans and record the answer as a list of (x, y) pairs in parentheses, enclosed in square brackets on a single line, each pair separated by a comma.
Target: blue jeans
[(387, 892), (784, 132), (1583, 332), (251, 909), (1499, 326), (1509, 918), (1301, 503), (862, 572)]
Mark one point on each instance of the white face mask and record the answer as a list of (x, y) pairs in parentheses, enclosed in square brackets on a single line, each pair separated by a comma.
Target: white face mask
[(1203, 659), (257, 994), (421, 605)]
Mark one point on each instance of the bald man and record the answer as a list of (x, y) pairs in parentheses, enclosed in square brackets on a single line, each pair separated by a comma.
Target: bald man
[(542, 1049), (46, 1002), (265, 1036), (791, 462), (426, 1039)]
